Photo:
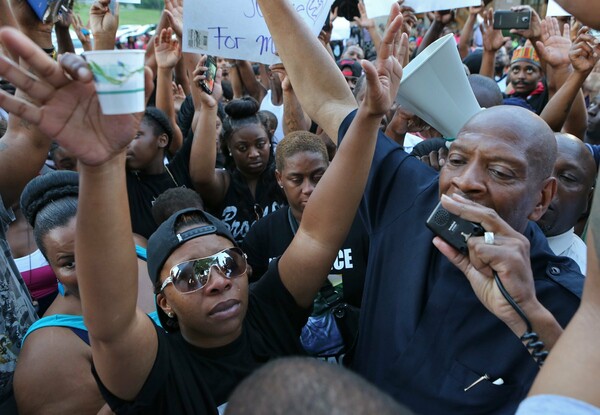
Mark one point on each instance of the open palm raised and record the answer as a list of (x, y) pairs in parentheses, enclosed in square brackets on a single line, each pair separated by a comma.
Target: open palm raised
[(67, 110)]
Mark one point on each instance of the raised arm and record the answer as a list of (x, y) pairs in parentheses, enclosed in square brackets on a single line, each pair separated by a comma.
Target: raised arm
[(248, 80), (440, 20), (83, 34), (583, 57), (365, 22), (63, 36), (23, 148), (294, 117), (69, 111), (211, 183), (586, 11), (320, 86), (554, 49), (492, 42), (104, 24), (331, 209), (466, 34), (168, 53)]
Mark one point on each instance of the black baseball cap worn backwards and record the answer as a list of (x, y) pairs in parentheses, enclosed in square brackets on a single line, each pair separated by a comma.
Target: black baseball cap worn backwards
[(165, 240)]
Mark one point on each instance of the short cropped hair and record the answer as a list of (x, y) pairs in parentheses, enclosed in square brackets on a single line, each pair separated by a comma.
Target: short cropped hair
[(299, 142)]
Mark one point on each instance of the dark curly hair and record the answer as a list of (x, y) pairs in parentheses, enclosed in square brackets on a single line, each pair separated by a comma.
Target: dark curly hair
[(159, 122), (50, 201)]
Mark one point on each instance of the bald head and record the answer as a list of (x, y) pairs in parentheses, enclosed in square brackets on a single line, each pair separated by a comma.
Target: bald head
[(569, 146), (307, 386), (486, 91), (527, 131), (503, 159)]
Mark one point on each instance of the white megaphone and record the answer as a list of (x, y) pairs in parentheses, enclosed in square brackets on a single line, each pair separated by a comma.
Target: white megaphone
[(435, 87)]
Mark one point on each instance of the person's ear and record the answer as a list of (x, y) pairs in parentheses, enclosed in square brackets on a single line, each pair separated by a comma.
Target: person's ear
[(162, 302), (590, 198), (163, 140), (545, 197), (278, 178)]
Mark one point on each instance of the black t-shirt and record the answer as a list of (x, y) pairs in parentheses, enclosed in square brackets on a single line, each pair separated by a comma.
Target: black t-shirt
[(189, 380), (240, 210), (143, 189), (269, 237)]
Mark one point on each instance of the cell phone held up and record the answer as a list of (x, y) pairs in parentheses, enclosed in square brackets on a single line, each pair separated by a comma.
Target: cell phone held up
[(208, 84), (508, 19), (453, 229)]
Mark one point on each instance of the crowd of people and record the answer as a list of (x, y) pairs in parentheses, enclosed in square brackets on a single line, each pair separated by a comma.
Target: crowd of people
[(268, 247)]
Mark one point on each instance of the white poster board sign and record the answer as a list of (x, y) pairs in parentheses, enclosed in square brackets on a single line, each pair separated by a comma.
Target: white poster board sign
[(376, 8), (236, 29), (554, 9)]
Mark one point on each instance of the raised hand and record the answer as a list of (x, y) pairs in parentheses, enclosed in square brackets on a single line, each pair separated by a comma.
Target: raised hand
[(104, 24), (475, 10), (178, 95), (492, 38), (534, 32), (279, 70), (408, 13), (210, 100), (585, 52), (444, 17), (174, 12), (554, 46), (81, 31), (166, 49), (383, 78), (363, 19), (67, 107), (65, 19)]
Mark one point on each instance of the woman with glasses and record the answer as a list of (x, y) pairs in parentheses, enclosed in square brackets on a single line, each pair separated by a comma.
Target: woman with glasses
[(246, 189), (218, 330)]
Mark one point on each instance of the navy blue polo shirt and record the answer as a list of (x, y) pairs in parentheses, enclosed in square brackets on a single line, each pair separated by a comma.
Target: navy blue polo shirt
[(424, 335)]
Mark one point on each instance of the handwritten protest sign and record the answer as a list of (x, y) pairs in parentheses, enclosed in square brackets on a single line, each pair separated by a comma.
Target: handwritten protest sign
[(554, 9), (376, 8), (236, 29)]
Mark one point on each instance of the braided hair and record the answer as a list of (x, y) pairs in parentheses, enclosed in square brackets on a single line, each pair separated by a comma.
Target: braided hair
[(49, 202)]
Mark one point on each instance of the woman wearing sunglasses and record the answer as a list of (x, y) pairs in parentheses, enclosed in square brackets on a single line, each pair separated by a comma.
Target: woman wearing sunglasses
[(223, 332)]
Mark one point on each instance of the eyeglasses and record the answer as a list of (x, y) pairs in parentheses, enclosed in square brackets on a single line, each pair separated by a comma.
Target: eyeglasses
[(190, 276)]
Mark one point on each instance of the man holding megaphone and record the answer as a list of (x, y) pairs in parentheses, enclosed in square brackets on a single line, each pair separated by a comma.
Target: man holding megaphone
[(442, 331)]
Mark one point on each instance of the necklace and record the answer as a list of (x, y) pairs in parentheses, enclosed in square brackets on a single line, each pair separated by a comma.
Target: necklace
[(172, 178)]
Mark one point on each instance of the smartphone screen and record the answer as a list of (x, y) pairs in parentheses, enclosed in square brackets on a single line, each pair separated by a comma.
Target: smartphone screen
[(209, 83)]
